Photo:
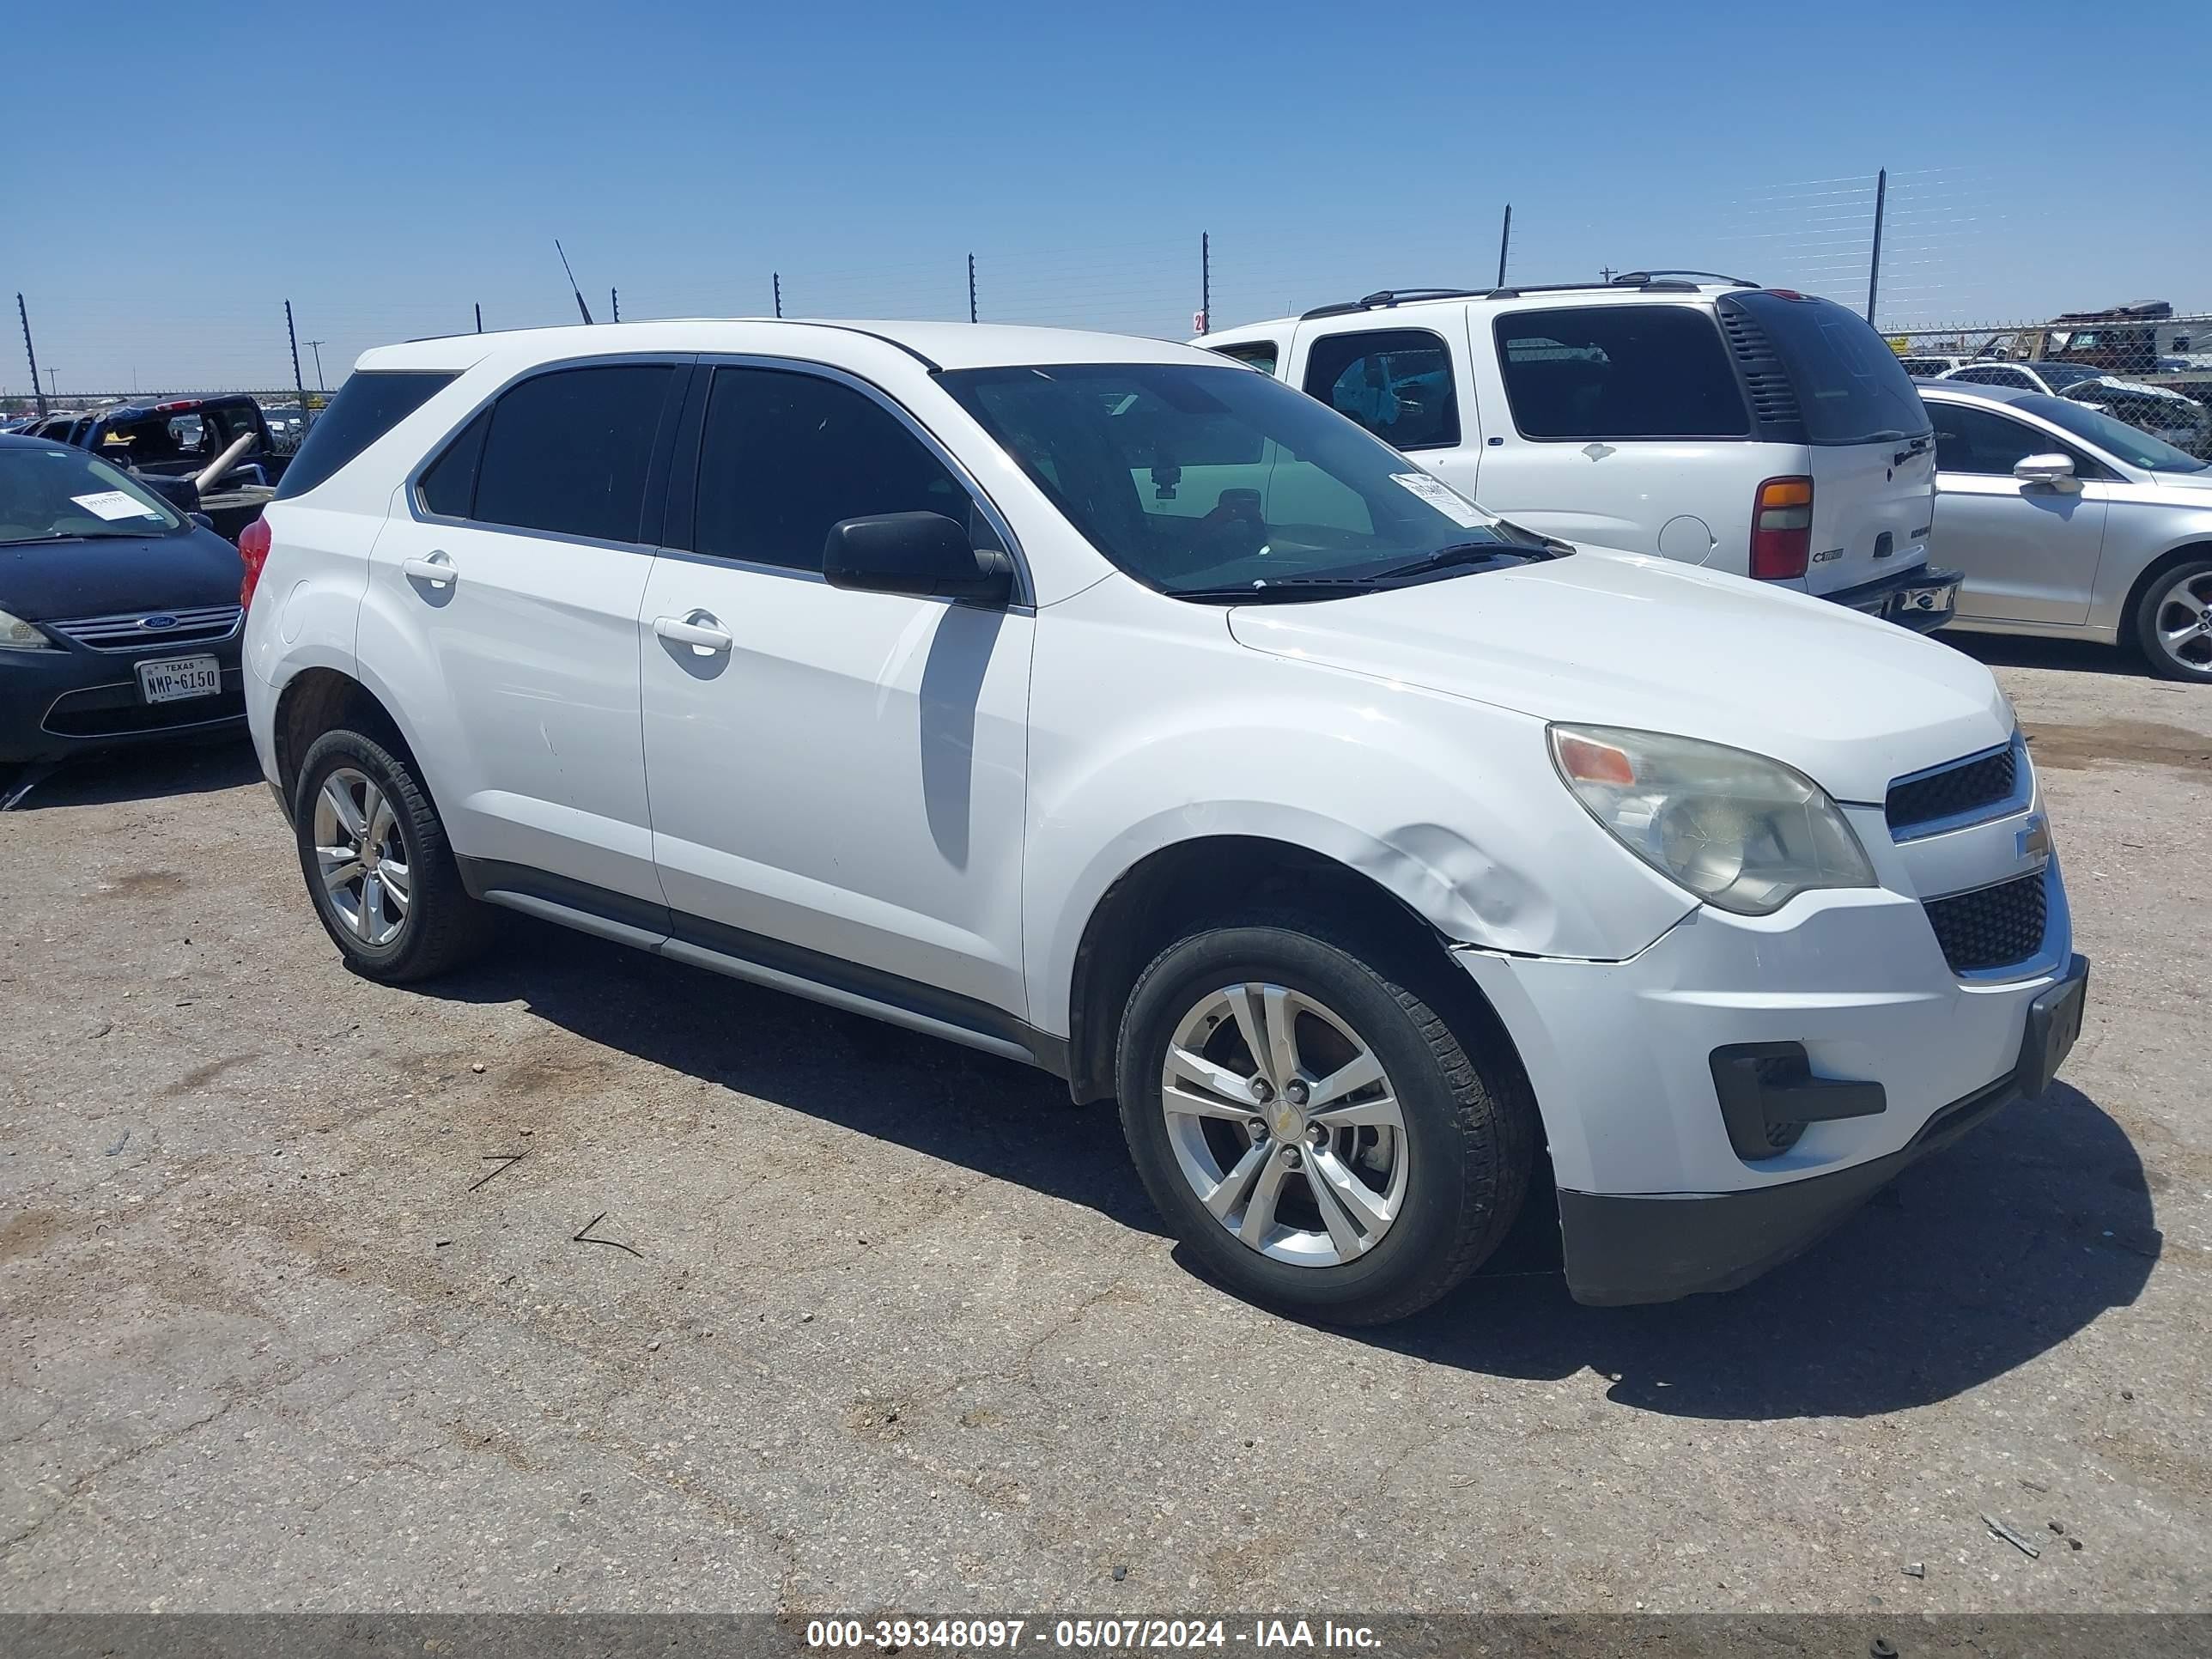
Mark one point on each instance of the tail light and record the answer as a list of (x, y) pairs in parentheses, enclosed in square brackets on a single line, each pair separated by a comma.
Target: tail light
[(253, 549), (1781, 529)]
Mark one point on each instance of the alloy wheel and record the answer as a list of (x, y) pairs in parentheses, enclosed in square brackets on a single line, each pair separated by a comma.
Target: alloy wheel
[(2181, 622), (360, 857), (1285, 1124)]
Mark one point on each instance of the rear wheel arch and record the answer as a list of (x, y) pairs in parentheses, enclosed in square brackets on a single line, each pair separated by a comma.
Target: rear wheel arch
[(320, 700), (1211, 880)]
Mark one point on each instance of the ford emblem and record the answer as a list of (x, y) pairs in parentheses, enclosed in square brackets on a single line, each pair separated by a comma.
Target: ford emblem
[(162, 621)]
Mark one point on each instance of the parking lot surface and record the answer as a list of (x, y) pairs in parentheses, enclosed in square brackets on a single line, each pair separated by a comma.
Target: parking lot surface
[(589, 1281)]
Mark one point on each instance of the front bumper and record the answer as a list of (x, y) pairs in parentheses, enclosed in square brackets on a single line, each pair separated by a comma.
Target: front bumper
[(1922, 599), (1630, 1249), (59, 702)]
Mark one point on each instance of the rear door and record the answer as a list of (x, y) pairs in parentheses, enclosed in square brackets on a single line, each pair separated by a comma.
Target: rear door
[(1622, 424), (2029, 552), (1818, 373), (502, 611)]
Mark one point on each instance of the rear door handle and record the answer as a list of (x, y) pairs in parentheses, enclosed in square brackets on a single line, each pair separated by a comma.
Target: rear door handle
[(699, 630), (437, 569)]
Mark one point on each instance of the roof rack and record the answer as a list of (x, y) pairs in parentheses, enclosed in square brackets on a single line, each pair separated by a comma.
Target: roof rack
[(1653, 282)]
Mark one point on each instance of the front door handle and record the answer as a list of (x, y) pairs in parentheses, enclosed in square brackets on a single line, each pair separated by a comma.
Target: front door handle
[(437, 569), (699, 630)]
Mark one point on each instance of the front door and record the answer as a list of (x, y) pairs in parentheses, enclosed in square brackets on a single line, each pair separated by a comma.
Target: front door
[(2029, 550), (837, 778)]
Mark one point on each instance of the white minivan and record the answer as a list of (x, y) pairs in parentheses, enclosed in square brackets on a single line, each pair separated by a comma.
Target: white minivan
[(1101, 705), (1759, 431)]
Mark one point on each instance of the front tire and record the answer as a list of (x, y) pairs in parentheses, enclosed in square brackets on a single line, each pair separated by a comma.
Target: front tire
[(1313, 1129), (377, 864), (2173, 623)]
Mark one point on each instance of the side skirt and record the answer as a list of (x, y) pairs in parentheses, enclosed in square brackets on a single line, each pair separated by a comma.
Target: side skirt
[(760, 960)]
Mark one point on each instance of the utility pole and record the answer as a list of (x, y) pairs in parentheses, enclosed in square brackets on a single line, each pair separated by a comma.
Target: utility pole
[(1205, 281), (480, 316), (316, 346), (1504, 241), (38, 395), (776, 277), (1605, 275), (1873, 266), (298, 384), (614, 303), (971, 288)]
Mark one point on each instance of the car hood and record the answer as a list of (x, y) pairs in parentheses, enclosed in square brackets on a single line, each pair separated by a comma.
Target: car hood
[(1618, 639), (2195, 485), (51, 581)]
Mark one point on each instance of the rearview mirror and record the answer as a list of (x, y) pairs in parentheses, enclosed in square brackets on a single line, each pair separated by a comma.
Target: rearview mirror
[(924, 554), (2057, 471)]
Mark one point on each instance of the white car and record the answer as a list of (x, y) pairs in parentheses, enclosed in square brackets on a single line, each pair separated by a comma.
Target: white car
[(1759, 431), (1105, 706)]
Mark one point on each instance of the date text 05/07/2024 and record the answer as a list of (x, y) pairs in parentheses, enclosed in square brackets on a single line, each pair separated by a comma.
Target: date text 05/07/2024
[(1113, 1634)]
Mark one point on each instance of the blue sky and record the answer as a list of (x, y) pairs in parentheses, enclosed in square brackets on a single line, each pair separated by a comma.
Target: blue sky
[(386, 167)]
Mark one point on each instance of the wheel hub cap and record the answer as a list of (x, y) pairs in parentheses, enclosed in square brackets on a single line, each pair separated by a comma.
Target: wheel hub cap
[(360, 857)]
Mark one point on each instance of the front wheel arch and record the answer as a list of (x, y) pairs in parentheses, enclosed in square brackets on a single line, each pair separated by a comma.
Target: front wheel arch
[(2153, 573)]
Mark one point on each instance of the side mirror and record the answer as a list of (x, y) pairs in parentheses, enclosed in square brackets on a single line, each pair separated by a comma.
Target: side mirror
[(2056, 471), (201, 520), (924, 554)]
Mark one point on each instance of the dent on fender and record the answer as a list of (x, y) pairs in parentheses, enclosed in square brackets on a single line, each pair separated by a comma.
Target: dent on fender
[(1459, 886)]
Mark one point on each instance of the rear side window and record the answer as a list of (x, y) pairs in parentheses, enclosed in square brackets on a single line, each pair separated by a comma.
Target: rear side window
[(448, 488), (1620, 372), (567, 451), (366, 407), (1262, 354), (1396, 382), (785, 456), (1850, 387)]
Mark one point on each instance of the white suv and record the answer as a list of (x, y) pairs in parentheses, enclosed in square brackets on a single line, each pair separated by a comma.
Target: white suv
[(1755, 430), (1109, 706)]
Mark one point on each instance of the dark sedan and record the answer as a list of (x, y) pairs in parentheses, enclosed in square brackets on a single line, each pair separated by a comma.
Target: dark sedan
[(119, 615)]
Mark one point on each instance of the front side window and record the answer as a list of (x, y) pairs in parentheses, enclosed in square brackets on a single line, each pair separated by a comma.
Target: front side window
[(1323, 510), (784, 456), (2131, 444), (1975, 440), (72, 495), (1396, 382), (1609, 372), (1262, 354), (567, 451)]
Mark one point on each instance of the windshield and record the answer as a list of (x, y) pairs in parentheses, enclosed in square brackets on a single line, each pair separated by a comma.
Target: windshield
[(1850, 388), (66, 495), (1211, 482), (2131, 444)]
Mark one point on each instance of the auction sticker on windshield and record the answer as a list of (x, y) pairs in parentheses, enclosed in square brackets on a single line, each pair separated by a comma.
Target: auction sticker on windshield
[(114, 504), (1440, 495), (166, 679)]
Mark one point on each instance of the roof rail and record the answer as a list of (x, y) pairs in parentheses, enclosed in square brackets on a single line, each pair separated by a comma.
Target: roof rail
[(1389, 296), (1645, 278)]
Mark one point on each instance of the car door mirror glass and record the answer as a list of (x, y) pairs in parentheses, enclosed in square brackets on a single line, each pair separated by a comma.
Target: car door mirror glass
[(923, 554), (2054, 469)]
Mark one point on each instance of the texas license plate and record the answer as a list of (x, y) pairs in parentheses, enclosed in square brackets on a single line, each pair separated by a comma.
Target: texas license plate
[(166, 679)]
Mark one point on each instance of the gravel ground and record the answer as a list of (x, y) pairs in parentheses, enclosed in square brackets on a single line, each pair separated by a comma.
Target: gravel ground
[(776, 1309)]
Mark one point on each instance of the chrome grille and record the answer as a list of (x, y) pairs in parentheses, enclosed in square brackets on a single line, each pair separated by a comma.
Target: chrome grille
[(133, 630), (1978, 786), (1992, 927)]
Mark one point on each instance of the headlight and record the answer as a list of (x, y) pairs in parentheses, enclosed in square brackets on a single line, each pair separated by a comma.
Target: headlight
[(16, 634), (1739, 830)]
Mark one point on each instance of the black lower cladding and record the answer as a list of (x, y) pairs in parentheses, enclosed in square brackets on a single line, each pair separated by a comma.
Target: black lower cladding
[(485, 876), (1624, 1249)]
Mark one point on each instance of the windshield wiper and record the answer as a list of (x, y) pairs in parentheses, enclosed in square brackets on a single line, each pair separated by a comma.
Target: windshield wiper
[(1282, 590), (76, 536), (1463, 553)]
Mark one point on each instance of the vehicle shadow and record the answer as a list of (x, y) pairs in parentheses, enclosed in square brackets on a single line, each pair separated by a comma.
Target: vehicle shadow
[(2024, 650), (1977, 1261), (142, 773)]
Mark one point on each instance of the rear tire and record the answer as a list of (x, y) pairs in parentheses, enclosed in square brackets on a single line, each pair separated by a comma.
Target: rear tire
[(2176, 597), (378, 867), (1348, 1206)]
